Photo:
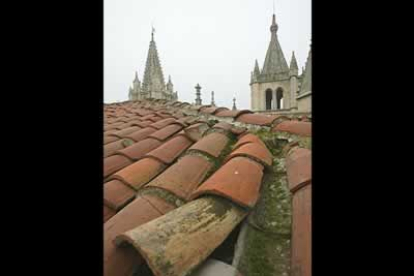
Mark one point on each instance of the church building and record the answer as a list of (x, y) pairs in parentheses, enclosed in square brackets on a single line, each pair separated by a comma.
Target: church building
[(278, 88), (153, 85)]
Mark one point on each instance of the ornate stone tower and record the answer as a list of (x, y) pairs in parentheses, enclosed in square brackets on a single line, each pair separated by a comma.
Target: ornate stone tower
[(153, 85), (271, 87), (304, 96)]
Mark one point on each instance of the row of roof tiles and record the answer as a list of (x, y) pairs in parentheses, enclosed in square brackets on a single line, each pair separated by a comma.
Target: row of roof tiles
[(144, 140)]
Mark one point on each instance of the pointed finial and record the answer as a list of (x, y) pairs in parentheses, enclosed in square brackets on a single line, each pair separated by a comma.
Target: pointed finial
[(152, 33), (234, 103), (212, 99)]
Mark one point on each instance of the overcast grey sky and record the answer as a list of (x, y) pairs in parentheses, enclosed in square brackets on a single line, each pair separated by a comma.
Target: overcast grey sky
[(211, 42)]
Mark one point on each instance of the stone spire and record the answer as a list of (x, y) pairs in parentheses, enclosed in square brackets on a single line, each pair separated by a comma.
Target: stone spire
[(294, 70), (234, 104), (136, 77), (170, 86), (306, 84), (198, 94), (275, 66), (153, 77), (212, 99)]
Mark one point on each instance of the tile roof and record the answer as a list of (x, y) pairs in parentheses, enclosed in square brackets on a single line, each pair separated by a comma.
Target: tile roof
[(166, 159)]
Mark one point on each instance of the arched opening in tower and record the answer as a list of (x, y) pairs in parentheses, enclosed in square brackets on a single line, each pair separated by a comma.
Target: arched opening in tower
[(279, 98), (268, 99)]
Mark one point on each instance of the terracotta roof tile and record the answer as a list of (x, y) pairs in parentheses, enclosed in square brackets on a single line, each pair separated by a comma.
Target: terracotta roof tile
[(111, 148), (184, 176), (248, 138), (117, 194), (159, 203), (163, 123), (141, 134), (295, 127), (257, 151), (166, 132), (212, 109), (232, 113), (223, 125), (138, 150), (171, 149), (212, 144), (298, 168), (259, 119), (124, 132), (238, 130), (114, 163), (110, 139), (107, 213), (238, 180), (139, 173), (120, 260), (196, 131), (141, 123)]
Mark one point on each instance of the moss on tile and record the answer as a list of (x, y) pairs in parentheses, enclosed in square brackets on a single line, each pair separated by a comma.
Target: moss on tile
[(266, 246), (265, 255)]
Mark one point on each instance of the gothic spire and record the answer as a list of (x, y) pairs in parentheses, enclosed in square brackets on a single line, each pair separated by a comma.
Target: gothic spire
[(256, 68), (153, 76), (136, 77), (306, 84), (275, 62), (234, 104), (294, 70)]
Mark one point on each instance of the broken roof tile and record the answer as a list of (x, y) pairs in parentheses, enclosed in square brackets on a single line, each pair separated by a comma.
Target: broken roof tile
[(231, 113), (114, 163), (117, 194), (298, 168), (183, 176), (139, 149), (294, 127), (238, 180), (256, 151), (171, 149), (258, 119), (212, 144), (166, 132)]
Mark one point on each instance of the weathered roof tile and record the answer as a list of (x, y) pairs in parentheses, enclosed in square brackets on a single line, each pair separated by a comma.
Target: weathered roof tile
[(258, 119), (295, 127), (171, 149), (114, 163), (166, 132), (184, 176), (212, 144), (139, 173), (231, 113), (238, 180), (298, 168), (257, 151), (117, 194), (138, 150)]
